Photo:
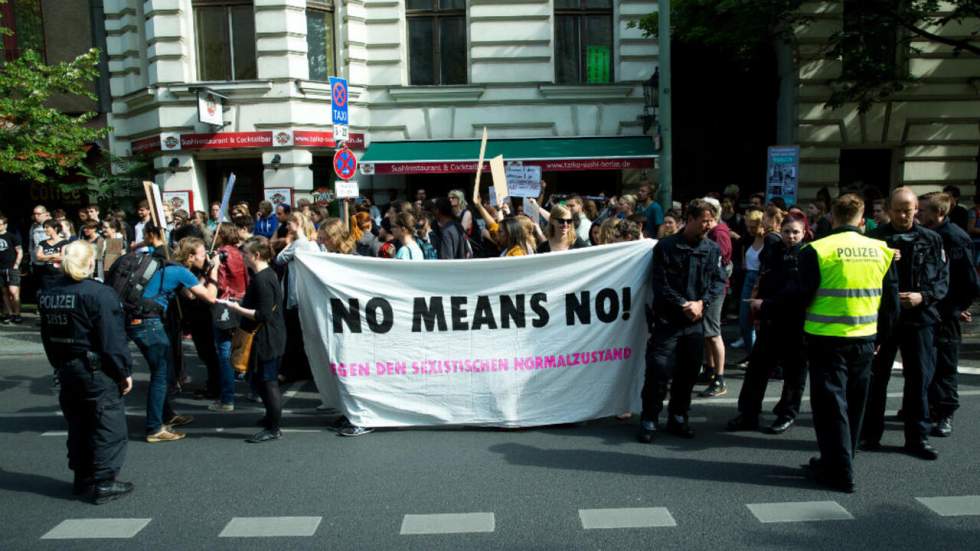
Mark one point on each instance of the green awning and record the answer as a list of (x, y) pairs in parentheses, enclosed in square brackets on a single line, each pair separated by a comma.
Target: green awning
[(552, 154)]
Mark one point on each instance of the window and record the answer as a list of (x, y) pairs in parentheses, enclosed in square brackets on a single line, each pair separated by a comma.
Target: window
[(24, 19), (583, 41), (225, 32), (436, 41), (320, 39)]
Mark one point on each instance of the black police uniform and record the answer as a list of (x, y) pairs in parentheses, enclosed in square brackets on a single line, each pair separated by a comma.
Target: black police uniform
[(780, 340), (84, 338), (682, 272), (963, 288), (921, 268)]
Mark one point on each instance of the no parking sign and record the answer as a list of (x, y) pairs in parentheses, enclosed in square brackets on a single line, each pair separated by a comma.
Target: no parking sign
[(344, 163)]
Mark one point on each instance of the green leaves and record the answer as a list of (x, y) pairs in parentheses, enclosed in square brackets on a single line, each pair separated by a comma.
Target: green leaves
[(36, 139), (871, 45)]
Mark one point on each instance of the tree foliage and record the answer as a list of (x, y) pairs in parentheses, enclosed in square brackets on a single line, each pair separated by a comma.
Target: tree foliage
[(871, 43), (36, 139)]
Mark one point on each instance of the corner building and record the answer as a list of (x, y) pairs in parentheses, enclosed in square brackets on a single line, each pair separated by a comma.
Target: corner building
[(557, 83)]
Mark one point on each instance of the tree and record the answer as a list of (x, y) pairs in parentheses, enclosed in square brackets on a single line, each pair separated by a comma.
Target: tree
[(37, 140), (869, 43)]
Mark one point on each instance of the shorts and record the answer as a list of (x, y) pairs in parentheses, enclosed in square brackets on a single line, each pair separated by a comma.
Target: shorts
[(10, 277), (712, 319)]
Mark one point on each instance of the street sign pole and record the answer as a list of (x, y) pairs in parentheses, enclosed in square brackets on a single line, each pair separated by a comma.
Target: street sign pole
[(666, 161)]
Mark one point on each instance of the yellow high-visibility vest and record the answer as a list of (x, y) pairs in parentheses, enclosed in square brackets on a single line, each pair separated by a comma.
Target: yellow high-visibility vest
[(852, 268)]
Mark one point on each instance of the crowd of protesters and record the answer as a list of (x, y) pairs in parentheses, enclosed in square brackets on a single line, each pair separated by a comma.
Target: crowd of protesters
[(231, 284)]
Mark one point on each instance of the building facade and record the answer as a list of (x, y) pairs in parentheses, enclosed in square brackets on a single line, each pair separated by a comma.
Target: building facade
[(926, 136), (426, 76)]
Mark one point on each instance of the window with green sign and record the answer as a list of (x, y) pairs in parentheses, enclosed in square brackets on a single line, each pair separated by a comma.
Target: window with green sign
[(583, 41)]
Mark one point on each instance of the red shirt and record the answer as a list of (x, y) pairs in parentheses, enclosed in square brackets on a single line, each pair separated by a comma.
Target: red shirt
[(721, 235), (232, 274)]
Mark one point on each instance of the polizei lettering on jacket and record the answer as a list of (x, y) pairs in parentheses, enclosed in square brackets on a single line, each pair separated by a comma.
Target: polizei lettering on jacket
[(858, 252)]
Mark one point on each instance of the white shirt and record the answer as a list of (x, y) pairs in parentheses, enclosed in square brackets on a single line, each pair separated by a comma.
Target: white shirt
[(752, 263)]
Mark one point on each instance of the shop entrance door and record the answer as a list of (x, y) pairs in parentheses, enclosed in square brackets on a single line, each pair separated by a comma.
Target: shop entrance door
[(248, 180)]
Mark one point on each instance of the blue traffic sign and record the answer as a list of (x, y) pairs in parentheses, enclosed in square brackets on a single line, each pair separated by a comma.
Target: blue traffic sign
[(338, 103)]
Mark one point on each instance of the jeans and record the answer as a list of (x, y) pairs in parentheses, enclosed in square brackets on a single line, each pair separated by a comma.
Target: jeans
[(744, 310), (153, 342), (226, 373)]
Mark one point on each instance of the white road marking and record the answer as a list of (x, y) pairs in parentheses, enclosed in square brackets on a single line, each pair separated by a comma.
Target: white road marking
[(96, 528), (955, 506), (801, 511), (630, 517), (55, 433), (270, 527), (454, 523)]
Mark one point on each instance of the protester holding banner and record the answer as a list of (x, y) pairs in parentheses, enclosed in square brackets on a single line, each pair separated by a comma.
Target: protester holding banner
[(687, 280), (261, 309), (334, 238), (296, 366), (508, 233), (561, 235), (403, 228)]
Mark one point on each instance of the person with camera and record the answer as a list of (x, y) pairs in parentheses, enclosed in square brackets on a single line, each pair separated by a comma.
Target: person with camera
[(160, 280), (82, 333)]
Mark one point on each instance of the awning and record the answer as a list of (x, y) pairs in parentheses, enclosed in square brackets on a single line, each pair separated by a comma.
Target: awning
[(551, 154)]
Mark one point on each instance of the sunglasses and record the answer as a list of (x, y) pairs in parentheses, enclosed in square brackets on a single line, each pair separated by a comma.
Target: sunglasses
[(564, 221)]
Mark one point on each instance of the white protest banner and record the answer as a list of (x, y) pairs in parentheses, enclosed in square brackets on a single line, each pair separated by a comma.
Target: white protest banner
[(532, 211), (560, 338), (523, 181), (226, 198), (155, 199), (499, 175)]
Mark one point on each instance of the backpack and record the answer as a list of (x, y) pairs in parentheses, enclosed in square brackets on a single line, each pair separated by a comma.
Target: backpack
[(428, 251), (129, 276)]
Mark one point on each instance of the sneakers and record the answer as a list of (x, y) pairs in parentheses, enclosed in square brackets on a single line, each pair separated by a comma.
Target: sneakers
[(782, 424), (179, 421), (678, 426), (943, 428), (4, 320), (110, 490), (221, 408), (354, 431), (265, 436), (716, 388), (16, 320), (164, 435)]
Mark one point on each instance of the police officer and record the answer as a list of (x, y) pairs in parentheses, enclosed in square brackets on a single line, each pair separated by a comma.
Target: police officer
[(687, 279), (923, 280), (954, 308), (84, 338), (852, 295)]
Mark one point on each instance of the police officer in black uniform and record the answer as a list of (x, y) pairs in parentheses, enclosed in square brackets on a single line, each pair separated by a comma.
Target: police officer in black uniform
[(687, 278), (923, 280), (963, 287), (84, 338)]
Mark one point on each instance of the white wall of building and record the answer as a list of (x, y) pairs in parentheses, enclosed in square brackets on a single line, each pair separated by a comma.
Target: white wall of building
[(511, 90)]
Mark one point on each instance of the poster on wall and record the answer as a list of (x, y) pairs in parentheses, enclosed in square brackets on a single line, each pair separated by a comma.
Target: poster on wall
[(783, 173), (279, 196), (180, 200)]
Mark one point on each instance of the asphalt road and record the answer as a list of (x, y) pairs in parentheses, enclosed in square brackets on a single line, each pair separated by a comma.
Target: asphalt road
[(588, 486)]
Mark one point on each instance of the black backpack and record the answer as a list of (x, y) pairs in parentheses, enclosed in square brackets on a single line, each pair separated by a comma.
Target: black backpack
[(129, 276)]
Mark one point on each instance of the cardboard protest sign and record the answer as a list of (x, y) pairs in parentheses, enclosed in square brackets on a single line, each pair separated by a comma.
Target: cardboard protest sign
[(523, 181), (479, 165), (499, 177), (155, 199)]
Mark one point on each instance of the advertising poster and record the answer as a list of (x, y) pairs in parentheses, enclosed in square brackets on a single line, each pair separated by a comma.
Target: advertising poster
[(783, 173)]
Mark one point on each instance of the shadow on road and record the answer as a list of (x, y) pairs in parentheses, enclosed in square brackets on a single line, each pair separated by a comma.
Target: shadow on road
[(34, 484), (635, 464)]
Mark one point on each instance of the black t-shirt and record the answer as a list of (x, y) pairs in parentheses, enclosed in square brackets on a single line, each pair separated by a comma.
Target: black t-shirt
[(8, 250), (49, 249)]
